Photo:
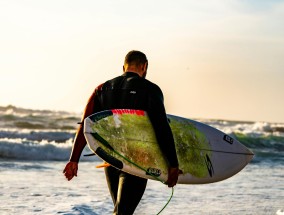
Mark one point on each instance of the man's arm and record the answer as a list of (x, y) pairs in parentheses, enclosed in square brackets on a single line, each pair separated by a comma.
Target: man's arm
[(80, 141), (71, 167), (164, 135)]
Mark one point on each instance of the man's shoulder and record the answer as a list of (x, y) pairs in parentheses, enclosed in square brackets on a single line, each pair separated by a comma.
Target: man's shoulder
[(99, 87), (107, 83), (111, 82), (152, 85)]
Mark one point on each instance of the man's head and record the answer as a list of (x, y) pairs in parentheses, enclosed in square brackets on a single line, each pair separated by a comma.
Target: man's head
[(136, 61)]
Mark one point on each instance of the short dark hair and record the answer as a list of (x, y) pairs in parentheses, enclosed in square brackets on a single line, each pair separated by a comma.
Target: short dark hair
[(135, 57)]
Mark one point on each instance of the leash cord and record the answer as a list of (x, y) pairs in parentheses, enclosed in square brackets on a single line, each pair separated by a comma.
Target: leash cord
[(167, 201)]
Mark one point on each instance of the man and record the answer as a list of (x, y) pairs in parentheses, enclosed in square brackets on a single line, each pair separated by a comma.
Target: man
[(129, 91)]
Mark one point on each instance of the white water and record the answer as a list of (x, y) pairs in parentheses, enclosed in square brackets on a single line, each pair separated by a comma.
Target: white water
[(40, 188)]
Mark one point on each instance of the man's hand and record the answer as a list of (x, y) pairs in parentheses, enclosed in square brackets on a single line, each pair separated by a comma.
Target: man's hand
[(173, 174), (70, 170)]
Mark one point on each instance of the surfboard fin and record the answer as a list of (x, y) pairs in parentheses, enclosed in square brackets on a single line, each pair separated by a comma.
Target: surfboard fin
[(103, 165)]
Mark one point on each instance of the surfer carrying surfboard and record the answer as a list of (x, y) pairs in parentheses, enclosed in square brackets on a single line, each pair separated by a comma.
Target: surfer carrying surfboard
[(132, 91)]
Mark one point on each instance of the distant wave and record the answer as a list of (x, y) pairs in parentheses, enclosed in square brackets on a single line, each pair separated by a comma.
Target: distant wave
[(27, 134), (20, 118)]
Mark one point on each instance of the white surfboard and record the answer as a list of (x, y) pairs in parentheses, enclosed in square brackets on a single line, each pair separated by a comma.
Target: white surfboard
[(125, 139)]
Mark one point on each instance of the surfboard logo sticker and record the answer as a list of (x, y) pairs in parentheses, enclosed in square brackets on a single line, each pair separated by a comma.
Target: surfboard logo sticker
[(228, 139), (153, 171)]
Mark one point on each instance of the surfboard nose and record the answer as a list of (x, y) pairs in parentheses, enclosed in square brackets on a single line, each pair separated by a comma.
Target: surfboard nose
[(249, 156)]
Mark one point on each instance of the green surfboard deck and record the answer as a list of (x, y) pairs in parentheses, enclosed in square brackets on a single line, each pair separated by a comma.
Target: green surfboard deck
[(138, 143)]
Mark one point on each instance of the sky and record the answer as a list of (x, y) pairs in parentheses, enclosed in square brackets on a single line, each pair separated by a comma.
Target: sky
[(213, 59)]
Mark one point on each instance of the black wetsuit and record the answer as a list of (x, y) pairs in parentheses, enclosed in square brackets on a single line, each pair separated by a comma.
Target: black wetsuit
[(130, 91)]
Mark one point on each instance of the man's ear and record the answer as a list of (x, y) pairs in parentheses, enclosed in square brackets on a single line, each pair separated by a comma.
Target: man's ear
[(123, 68), (144, 74), (145, 66)]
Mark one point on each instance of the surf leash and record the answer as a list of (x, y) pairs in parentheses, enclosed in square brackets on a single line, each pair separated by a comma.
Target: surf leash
[(106, 144)]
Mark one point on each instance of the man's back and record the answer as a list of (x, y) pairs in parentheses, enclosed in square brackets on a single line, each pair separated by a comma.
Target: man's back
[(129, 91)]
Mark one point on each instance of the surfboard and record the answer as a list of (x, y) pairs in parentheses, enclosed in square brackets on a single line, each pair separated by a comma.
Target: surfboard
[(125, 139)]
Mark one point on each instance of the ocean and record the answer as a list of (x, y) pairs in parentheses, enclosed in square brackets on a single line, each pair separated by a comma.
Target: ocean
[(35, 146)]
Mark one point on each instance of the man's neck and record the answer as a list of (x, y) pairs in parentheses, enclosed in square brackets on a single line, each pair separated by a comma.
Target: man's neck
[(136, 72), (140, 70)]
